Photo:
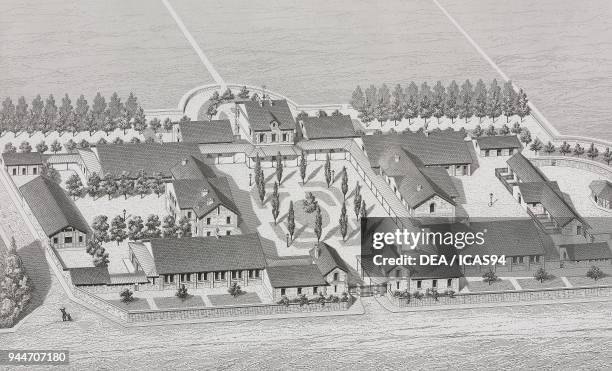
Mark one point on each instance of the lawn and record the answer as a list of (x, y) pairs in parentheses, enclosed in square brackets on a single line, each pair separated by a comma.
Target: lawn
[(136, 304), (134, 205), (499, 285), (533, 284), (220, 300), (585, 281), (172, 302)]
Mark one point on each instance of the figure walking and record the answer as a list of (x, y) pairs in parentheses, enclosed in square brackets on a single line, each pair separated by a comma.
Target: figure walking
[(65, 315)]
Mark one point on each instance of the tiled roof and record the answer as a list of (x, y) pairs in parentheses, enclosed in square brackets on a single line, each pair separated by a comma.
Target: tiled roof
[(261, 114), (328, 127), (588, 251), (437, 148), (191, 168), (207, 254), (19, 158), (602, 189), (295, 276), (203, 195), (128, 278), (152, 158), (239, 146), (512, 237), (90, 160), (324, 144), (144, 257), (273, 150), (532, 191), (498, 142), (215, 131), (525, 169), (328, 260), (90, 276), (52, 206)]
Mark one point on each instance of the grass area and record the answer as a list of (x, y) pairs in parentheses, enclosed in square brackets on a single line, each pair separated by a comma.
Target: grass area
[(481, 286), (226, 299), (136, 304), (585, 281), (172, 302), (533, 284)]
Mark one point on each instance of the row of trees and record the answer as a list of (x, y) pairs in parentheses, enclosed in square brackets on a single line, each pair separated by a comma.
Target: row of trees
[(452, 101), (217, 99), (46, 116), (70, 145), (111, 186), (577, 150), (15, 288)]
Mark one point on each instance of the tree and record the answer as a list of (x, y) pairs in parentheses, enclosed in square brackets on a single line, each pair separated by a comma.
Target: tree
[(152, 227), (310, 203), (168, 124), (257, 171), (74, 186), (279, 168), (363, 212), (261, 189), (99, 110), (275, 202), (494, 103), (141, 185), (344, 185), (343, 221), (182, 293), (396, 112), (135, 227), (244, 93), (357, 200), (117, 229), (9, 148), (318, 224), (123, 122), (504, 130), (102, 141), (49, 115), (438, 100), (490, 277), (42, 147), (607, 156), (127, 296), (536, 145), (15, 287), (303, 166), (169, 226), (70, 145), (426, 104), (549, 148), (565, 148), (357, 99), (157, 184), (101, 258), (25, 147), (80, 111), (477, 132), (131, 107), (451, 105), (92, 245), (84, 144), (109, 185), (525, 136), (321, 113), (508, 98), (50, 173), (93, 184), (91, 123), (480, 100), (595, 273), (22, 114), (383, 104), (541, 275), (411, 103), (65, 115), (7, 115), (522, 106), (234, 290), (328, 171), (139, 122), (516, 128), (211, 111), (592, 152), (36, 114), (100, 227), (291, 220), (184, 227), (155, 124), (578, 150), (124, 185), (491, 131), (466, 107), (227, 95)]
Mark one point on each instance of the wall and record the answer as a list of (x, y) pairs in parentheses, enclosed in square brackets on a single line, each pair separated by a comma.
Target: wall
[(218, 219), (209, 280), (69, 232), (23, 170), (442, 208), (574, 162)]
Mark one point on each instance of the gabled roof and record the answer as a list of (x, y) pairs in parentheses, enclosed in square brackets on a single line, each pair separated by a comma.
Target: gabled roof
[(261, 114), (90, 276), (207, 254), (532, 191), (52, 206), (328, 260), (203, 195), (435, 149), (204, 132), (144, 257), (21, 158), (512, 237), (150, 157), (301, 275), (588, 251), (525, 170), (191, 167), (498, 142), (328, 127), (602, 189)]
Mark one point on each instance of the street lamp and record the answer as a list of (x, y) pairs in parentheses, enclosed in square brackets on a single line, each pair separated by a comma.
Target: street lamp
[(250, 175), (124, 212), (333, 176), (287, 238), (490, 199)]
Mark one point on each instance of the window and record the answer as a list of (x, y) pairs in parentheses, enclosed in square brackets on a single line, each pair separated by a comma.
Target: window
[(397, 284), (285, 138), (434, 283), (34, 171), (208, 233), (14, 171), (219, 275), (432, 207), (169, 278), (315, 289), (228, 220), (283, 291), (273, 138), (419, 284), (189, 214), (80, 238), (23, 171), (253, 273), (227, 233), (262, 138), (55, 240), (335, 288), (201, 276), (299, 291), (335, 276), (208, 220), (578, 230), (449, 282), (499, 152), (236, 274), (185, 277), (68, 239)]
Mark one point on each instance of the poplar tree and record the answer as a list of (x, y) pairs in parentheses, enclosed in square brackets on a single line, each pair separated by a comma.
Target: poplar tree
[(279, 168), (318, 224), (303, 166), (494, 103), (508, 97), (411, 104), (343, 222), (439, 100), (466, 108), (275, 202), (328, 173), (344, 185), (291, 220), (451, 105)]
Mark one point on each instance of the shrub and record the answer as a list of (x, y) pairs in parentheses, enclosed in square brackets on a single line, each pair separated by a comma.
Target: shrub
[(344, 298), (127, 296), (490, 277), (235, 290), (310, 203), (302, 300), (401, 294), (418, 295), (595, 273), (541, 275), (450, 293), (182, 293), (283, 301)]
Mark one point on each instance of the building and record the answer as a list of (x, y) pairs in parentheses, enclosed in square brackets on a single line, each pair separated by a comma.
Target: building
[(56, 213), (327, 127), (446, 149), (18, 164), (601, 193), (542, 199), (588, 253), (498, 145), (425, 191), (322, 272), (204, 132), (200, 261), (266, 122)]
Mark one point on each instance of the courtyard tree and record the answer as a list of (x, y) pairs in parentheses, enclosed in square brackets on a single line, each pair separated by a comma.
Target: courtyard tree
[(522, 104), (125, 185), (117, 229), (343, 222), (396, 112), (139, 123), (508, 98), (15, 287), (92, 245), (244, 93), (182, 293), (438, 100), (275, 202), (451, 105), (536, 146), (303, 166), (42, 147), (426, 104), (83, 144), (100, 228), (363, 212), (504, 130), (291, 220), (70, 145), (592, 152), (578, 150), (357, 99), (234, 290), (93, 184), (541, 275), (411, 103), (565, 148), (155, 124), (466, 105), (595, 273), (25, 147), (328, 171), (74, 186), (310, 203), (525, 136), (227, 95), (516, 128), (169, 227), (477, 132), (357, 200), (9, 148), (135, 227), (494, 101), (607, 156), (480, 100), (108, 185), (261, 189), (211, 111), (100, 258), (127, 296), (318, 224), (549, 148), (152, 227), (184, 227), (168, 124), (141, 185), (279, 168), (157, 185), (491, 130), (257, 171), (50, 173), (490, 277), (344, 185)]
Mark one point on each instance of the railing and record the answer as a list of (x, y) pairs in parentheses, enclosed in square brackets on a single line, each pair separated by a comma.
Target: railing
[(499, 173)]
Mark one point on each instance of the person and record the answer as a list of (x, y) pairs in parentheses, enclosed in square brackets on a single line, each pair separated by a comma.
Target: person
[(65, 315)]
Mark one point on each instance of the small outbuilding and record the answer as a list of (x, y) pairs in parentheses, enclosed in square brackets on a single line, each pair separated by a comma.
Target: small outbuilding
[(601, 193), (498, 145), (28, 163)]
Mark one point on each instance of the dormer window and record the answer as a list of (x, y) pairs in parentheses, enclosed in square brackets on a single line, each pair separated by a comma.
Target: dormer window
[(419, 187), (273, 124)]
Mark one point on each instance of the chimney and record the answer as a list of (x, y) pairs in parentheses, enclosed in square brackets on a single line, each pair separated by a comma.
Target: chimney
[(184, 161), (419, 187), (204, 192), (396, 157), (426, 133), (317, 251)]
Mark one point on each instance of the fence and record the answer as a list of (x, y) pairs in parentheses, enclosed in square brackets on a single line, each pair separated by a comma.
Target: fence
[(504, 297)]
